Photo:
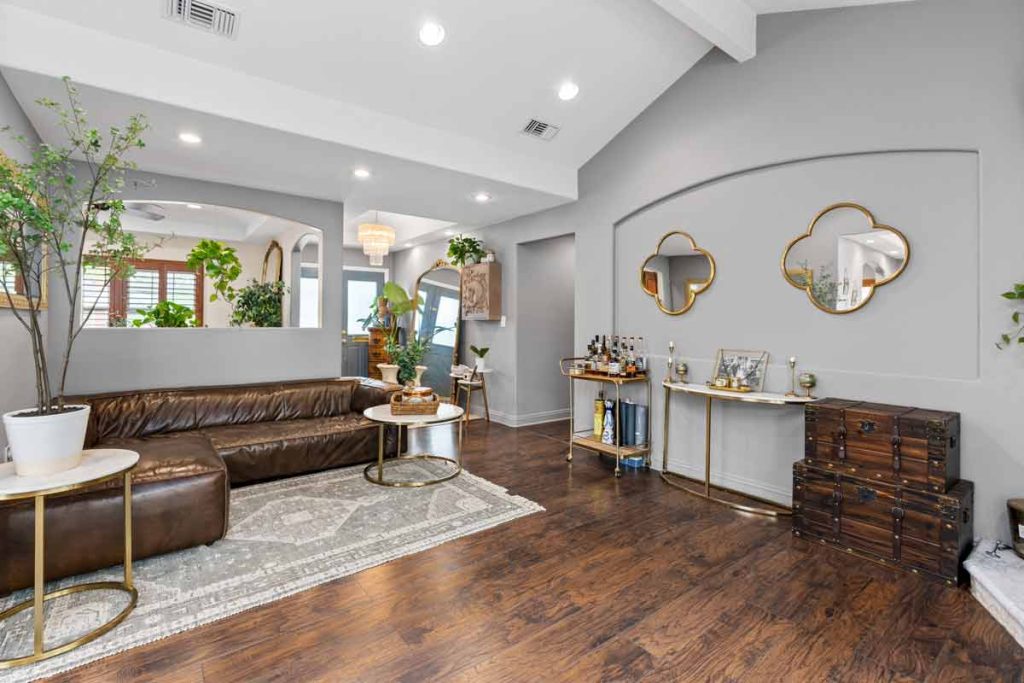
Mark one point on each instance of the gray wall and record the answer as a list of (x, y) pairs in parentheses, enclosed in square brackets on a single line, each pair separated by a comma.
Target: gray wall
[(17, 378), (115, 359), (929, 75), (545, 315)]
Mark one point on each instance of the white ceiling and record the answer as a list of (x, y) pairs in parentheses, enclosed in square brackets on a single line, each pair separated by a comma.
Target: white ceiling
[(774, 6), (306, 92), (210, 221), (409, 230)]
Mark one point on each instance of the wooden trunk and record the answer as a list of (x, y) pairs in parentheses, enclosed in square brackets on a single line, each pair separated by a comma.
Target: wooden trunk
[(908, 447), (376, 352), (920, 531)]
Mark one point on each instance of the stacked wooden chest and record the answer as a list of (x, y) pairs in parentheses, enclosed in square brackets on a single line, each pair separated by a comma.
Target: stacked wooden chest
[(884, 482)]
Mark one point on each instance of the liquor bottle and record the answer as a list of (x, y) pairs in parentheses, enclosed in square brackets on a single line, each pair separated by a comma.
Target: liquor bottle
[(608, 434), (641, 361), (631, 360), (606, 356), (615, 361), (599, 416)]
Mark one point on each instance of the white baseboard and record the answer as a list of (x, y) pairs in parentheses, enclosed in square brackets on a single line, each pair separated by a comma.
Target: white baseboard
[(510, 420), (755, 488)]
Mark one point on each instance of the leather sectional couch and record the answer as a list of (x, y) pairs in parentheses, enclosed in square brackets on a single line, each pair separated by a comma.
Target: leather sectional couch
[(194, 444)]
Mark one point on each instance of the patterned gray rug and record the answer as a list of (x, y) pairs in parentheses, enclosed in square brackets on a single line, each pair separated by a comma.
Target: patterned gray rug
[(285, 537)]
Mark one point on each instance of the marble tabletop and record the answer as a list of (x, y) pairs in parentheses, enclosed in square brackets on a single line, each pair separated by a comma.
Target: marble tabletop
[(382, 413), (97, 464)]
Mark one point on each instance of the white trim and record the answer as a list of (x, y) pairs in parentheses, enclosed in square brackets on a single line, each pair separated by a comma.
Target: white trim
[(782, 496), (511, 420), (369, 269)]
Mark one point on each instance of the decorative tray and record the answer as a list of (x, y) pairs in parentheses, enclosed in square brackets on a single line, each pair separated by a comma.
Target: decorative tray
[(735, 390), (402, 405)]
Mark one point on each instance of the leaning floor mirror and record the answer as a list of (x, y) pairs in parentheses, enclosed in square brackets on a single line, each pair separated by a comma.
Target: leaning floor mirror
[(440, 323)]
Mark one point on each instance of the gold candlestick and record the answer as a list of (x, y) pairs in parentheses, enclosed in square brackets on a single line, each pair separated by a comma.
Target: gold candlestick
[(792, 376)]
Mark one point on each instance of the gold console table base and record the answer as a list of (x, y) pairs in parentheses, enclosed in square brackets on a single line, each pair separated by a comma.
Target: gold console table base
[(710, 491)]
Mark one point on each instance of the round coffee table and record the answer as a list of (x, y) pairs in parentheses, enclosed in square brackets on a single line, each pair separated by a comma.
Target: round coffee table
[(382, 415), (97, 466)]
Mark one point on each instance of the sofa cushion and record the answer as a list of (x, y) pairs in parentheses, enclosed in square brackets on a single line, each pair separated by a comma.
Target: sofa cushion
[(144, 413), (179, 500), (266, 450)]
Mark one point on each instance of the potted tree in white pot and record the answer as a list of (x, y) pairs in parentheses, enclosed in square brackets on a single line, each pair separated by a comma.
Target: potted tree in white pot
[(55, 220)]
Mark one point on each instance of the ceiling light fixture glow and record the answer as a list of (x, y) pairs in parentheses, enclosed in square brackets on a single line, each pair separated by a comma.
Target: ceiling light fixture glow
[(449, 233), (194, 206), (432, 34), (376, 240), (568, 91), (362, 173), (482, 197), (189, 138)]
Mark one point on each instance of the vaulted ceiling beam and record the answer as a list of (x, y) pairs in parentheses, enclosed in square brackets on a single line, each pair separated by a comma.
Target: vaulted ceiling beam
[(730, 25)]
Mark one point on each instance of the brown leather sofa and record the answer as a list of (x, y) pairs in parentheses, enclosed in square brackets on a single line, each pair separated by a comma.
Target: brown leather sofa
[(194, 444)]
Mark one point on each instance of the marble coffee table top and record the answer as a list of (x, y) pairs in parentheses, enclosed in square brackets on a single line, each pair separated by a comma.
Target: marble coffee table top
[(97, 464)]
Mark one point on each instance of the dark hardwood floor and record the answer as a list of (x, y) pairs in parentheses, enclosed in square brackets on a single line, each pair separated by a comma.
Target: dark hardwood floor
[(618, 580)]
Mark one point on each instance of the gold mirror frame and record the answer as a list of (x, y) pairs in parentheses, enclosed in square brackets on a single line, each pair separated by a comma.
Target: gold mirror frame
[(696, 292), (874, 225), (273, 248), (441, 264)]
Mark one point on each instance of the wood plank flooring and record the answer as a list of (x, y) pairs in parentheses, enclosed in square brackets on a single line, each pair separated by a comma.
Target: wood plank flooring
[(619, 580)]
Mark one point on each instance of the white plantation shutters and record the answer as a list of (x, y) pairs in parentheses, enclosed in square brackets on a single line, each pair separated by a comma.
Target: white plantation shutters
[(94, 292), (152, 282)]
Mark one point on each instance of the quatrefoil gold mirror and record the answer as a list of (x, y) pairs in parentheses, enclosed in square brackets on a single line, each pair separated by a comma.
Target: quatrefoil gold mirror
[(677, 272), (843, 257)]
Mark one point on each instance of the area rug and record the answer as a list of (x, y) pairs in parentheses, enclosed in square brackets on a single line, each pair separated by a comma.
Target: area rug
[(285, 537)]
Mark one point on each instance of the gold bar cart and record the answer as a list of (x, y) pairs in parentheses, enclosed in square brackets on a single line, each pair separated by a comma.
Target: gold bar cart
[(585, 438)]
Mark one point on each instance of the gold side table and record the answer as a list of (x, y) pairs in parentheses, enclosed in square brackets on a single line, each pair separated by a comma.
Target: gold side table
[(97, 466), (382, 415)]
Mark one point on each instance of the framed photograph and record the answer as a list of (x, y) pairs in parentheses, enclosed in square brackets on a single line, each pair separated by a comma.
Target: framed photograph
[(747, 367)]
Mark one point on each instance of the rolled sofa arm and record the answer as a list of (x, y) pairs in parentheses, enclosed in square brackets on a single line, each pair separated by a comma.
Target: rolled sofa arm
[(372, 392)]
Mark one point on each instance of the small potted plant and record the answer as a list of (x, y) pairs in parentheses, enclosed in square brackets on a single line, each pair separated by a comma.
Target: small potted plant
[(397, 302), (1017, 335), (481, 353), (259, 304), (465, 251)]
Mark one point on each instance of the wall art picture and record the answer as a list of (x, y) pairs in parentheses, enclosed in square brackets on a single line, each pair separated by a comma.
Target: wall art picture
[(741, 369)]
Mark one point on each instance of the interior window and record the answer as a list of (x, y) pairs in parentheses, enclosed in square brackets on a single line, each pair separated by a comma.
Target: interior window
[(118, 304), (362, 287)]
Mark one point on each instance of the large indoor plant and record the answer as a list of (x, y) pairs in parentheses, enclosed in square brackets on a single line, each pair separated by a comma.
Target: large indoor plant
[(59, 214)]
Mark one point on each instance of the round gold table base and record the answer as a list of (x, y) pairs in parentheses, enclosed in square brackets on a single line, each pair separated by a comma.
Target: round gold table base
[(706, 493), (379, 479), (77, 642)]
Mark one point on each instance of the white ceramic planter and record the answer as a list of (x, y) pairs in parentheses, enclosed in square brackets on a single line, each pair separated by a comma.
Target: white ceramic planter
[(420, 369), (42, 445), (481, 364), (389, 372)]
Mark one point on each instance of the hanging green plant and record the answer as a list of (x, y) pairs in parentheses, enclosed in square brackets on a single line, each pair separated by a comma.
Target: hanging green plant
[(220, 264), (1017, 335)]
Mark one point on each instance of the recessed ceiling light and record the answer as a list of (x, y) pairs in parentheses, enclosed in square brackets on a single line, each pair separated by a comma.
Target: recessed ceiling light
[(895, 252), (870, 241), (482, 197), (189, 138), (449, 233), (431, 34), (408, 244), (362, 173), (568, 91), (194, 206)]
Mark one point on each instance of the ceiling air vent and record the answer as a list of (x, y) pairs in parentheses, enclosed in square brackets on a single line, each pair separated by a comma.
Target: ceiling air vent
[(204, 15), (539, 129)]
